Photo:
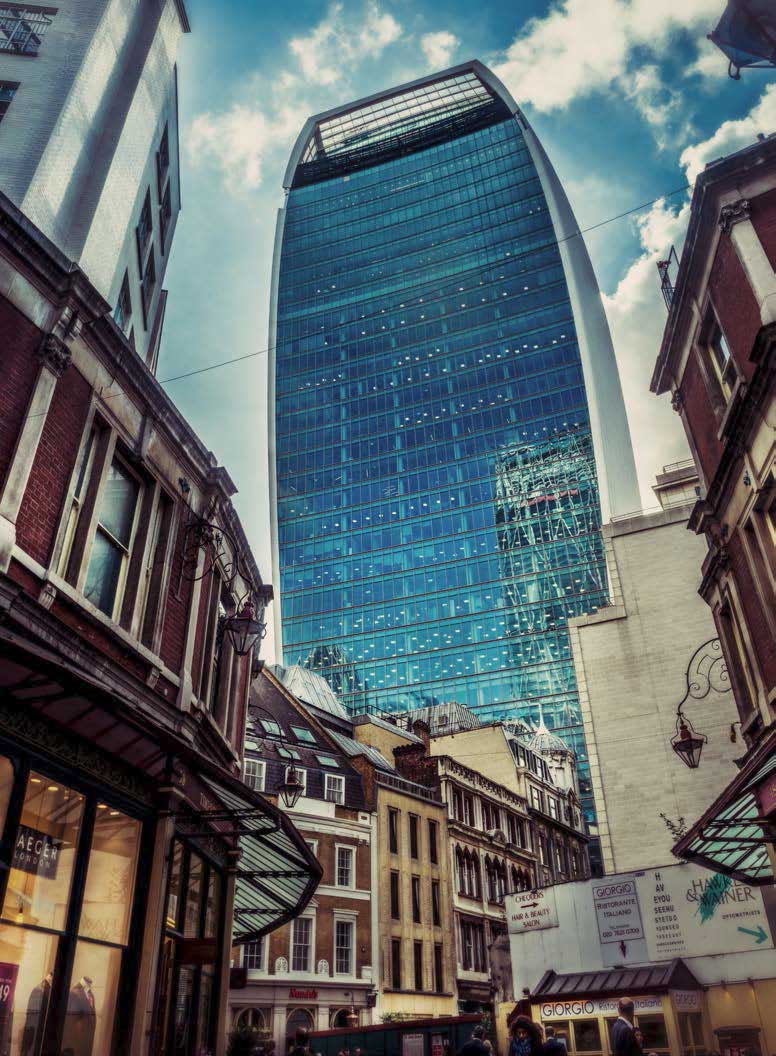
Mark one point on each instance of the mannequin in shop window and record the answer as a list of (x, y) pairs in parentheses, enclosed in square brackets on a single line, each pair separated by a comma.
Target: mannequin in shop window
[(81, 1020), (37, 1014)]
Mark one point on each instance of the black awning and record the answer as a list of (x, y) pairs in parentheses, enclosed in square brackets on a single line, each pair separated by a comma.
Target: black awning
[(732, 837), (277, 872), (610, 982)]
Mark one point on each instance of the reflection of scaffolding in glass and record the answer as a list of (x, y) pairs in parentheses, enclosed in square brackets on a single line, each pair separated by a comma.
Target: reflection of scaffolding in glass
[(547, 510), (341, 674)]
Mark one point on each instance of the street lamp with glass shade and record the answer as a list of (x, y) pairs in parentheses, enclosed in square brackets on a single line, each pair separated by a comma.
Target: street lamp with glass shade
[(291, 789), (688, 743)]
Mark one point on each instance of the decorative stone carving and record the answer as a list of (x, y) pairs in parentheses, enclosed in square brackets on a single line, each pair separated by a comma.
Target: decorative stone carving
[(47, 594), (677, 401), (281, 966), (732, 214), (322, 968), (153, 677), (54, 354)]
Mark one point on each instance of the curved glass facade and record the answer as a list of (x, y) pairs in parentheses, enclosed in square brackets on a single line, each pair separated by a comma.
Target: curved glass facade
[(438, 517)]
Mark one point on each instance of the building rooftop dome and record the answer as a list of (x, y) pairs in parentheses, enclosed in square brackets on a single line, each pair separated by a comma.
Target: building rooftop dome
[(545, 742)]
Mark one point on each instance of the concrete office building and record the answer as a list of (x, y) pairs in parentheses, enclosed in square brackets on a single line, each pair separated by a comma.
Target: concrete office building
[(89, 142), (653, 647), (447, 421)]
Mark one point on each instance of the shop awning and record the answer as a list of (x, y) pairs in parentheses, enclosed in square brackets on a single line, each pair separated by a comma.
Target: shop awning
[(277, 871), (609, 982), (732, 836), (275, 877)]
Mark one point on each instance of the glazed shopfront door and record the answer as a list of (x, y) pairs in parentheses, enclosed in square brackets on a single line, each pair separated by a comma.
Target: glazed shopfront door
[(188, 971)]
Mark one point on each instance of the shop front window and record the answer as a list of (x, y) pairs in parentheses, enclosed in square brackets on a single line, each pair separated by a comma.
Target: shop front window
[(654, 1030), (691, 1031), (27, 971), (91, 1000), (38, 889), (110, 879), (587, 1035), (67, 900)]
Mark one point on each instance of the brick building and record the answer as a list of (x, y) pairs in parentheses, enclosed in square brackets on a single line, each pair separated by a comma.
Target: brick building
[(717, 359), (123, 691), (318, 970)]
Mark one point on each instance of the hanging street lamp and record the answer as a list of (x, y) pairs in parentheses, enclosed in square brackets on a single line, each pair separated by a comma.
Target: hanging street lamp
[(245, 629), (688, 743), (291, 789)]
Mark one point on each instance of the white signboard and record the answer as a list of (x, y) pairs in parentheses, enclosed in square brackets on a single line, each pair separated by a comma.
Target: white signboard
[(691, 912), (604, 1006), (616, 904), (531, 911)]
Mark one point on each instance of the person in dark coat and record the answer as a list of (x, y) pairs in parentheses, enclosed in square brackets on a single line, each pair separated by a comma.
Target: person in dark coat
[(301, 1046), (35, 1021), (476, 1045), (624, 1041), (526, 1039), (553, 1046)]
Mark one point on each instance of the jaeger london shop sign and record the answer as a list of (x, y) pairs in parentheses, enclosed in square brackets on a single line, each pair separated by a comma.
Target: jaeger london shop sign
[(36, 852)]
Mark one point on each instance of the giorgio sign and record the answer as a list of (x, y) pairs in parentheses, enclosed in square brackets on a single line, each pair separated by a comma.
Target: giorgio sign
[(579, 1006)]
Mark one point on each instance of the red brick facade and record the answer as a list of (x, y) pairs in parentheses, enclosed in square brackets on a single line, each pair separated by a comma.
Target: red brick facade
[(718, 357)]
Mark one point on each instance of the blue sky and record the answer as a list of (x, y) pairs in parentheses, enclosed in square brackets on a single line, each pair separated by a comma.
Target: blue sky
[(628, 97)]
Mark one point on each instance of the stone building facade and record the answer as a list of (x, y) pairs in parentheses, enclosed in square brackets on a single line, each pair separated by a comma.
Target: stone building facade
[(89, 142), (122, 692), (718, 361), (636, 660), (417, 970)]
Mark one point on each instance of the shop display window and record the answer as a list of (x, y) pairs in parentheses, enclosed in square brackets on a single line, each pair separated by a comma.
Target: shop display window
[(27, 961), (45, 845), (691, 1031), (213, 904), (174, 885), (654, 1030), (91, 1000), (191, 922), (587, 1035), (110, 878), (67, 903)]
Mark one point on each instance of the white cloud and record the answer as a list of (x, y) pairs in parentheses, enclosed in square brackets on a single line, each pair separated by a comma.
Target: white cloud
[(659, 105), (732, 135), (339, 41), (637, 315), (439, 48), (583, 46), (238, 141)]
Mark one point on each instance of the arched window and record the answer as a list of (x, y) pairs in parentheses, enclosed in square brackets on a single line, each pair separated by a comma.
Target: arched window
[(476, 879), (299, 1017), (250, 1017), (460, 869), (515, 874)]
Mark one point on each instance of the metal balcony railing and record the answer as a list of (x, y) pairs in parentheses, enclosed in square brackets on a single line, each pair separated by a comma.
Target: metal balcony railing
[(668, 270)]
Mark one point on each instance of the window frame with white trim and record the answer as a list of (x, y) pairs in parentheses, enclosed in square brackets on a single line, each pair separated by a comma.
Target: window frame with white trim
[(349, 918)]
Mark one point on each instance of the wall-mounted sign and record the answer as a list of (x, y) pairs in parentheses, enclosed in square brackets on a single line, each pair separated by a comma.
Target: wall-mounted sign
[(690, 912), (531, 911), (302, 995), (687, 1000), (36, 852), (604, 1006), (616, 903)]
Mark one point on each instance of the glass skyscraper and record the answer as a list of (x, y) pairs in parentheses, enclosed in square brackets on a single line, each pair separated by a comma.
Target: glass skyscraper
[(447, 425)]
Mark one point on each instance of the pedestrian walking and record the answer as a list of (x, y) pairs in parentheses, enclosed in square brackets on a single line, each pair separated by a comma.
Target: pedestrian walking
[(526, 1039), (475, 1046), (301, 1046), (624, 1041), (553, 1045)]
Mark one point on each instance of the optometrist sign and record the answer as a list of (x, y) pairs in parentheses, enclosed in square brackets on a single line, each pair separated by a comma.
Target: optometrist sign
[(531, 911)]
